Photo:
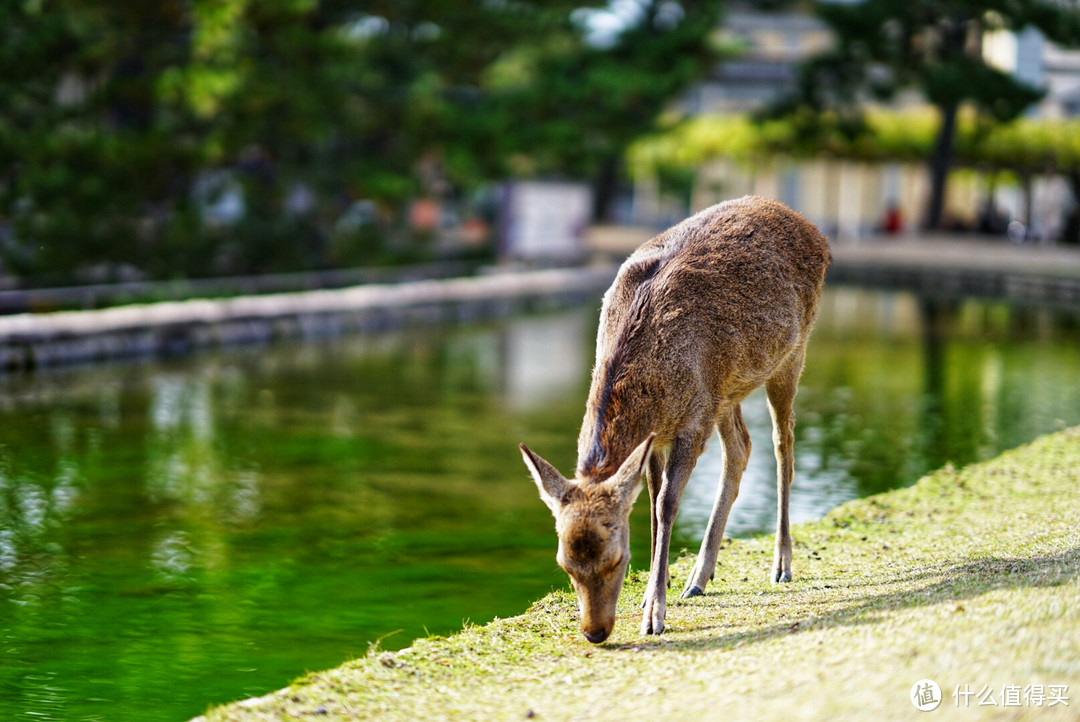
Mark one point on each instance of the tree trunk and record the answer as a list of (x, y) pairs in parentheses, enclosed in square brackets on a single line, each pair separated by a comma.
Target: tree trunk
[(605, 187), (940, 163), (1071, 233), (1027, 187)]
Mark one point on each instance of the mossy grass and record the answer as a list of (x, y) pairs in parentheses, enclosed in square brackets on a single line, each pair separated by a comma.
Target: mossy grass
[(970, 577)]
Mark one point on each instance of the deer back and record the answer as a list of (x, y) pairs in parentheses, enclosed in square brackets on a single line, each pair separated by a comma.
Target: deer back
[(697, 318)]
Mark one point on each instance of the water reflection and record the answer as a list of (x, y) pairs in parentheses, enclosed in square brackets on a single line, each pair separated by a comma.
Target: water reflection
[(896, 386), (177, 534), (216, 526), (544, 358)]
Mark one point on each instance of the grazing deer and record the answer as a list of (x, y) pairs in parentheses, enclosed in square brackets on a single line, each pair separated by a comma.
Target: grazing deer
[(697, 318)]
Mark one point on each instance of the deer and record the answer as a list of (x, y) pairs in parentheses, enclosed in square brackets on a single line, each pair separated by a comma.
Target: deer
[(696, 319)]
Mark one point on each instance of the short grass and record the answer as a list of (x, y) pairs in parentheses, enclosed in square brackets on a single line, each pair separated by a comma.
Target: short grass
[(970, 578)]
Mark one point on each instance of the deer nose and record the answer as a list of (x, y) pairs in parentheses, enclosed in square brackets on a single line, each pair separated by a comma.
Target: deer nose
[(596, 637)]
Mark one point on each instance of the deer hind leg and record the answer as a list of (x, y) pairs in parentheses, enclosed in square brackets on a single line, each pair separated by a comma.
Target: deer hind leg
[(781, 389), (736, 445), (680, 462)]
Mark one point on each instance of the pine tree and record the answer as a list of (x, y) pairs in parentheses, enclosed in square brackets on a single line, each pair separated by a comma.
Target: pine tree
[(933, 46)]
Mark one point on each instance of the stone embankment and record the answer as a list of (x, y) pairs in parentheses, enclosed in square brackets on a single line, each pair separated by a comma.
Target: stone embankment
[(36, 340), (946, 266), (932, 266)]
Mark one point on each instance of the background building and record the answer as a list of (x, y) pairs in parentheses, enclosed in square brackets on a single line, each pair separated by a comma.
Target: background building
[(852, 200)]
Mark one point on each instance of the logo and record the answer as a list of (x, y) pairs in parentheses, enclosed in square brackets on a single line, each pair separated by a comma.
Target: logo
[(925, 695)]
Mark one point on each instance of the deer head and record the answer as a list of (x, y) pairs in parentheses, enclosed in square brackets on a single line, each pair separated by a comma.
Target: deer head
[(592, 519)]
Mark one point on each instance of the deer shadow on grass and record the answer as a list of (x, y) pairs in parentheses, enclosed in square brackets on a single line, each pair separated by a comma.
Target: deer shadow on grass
[(934, 585)]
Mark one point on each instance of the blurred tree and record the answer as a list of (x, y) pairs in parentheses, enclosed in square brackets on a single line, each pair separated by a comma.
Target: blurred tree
[(572, 102), (417, 117), (187, 137), (87, 158), (934, 46)]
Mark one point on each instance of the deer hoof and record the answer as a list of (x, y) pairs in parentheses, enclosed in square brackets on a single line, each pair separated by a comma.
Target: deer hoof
[(655, 626), (652, 621), (779, 576), (692, 591)]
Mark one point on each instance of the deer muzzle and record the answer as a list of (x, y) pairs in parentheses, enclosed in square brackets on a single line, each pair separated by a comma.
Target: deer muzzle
[(598, 611)]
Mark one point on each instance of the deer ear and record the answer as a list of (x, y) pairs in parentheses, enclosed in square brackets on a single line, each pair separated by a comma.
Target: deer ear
[(549, 482), (627, 480)]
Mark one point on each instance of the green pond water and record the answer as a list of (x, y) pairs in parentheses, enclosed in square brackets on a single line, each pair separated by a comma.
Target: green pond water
[(178, 534)]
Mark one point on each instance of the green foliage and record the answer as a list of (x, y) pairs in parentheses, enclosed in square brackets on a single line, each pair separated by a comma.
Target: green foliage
[(585, 103), (113, 118), (933, 46), (1028, 145), (1024, 146)]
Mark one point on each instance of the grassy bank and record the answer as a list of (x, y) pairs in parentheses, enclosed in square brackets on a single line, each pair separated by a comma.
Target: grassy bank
[(970, 578)]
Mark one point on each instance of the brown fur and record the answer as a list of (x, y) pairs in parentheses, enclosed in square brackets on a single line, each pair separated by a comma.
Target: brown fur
[(697, 318)]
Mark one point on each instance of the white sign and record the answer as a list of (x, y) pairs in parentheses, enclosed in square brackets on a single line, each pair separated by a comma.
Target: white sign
[(545, 220)]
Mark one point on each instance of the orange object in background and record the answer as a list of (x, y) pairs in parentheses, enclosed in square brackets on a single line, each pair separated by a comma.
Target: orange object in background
[(424, 214)]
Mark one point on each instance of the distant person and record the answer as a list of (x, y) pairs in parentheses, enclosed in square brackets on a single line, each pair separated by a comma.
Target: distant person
[(893, 223)]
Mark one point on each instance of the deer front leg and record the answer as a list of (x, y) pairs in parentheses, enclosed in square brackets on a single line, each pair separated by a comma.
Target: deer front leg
[(655, 477), (736, 443), (666, 507)]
